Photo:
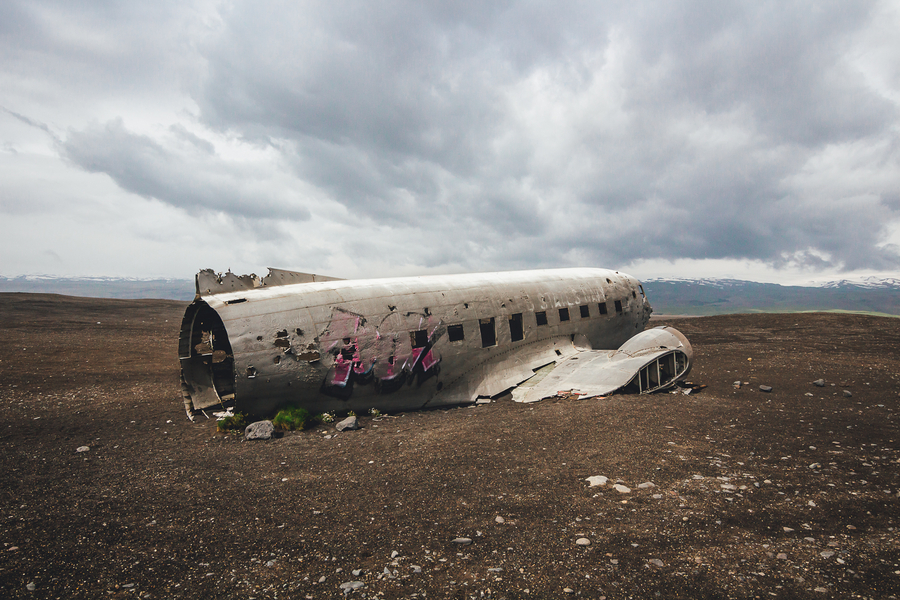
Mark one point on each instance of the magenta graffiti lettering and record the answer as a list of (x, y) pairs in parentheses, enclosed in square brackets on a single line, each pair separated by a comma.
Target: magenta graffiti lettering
[(360, 353)]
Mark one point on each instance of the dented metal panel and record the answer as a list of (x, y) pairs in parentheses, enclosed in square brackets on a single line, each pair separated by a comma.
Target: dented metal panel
[(393, 344), (650, 361)]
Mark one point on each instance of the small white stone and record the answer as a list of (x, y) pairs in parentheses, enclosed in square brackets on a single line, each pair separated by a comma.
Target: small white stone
[(499, 520), (82, 448), (646, 485), (583, 542), (622, 489), (597, 480)]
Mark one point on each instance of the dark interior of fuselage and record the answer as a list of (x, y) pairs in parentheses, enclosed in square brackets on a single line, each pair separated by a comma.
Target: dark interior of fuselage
[(207, 361)]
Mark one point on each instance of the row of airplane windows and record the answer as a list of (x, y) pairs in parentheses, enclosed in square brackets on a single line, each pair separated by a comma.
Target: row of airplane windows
[(455, 333)]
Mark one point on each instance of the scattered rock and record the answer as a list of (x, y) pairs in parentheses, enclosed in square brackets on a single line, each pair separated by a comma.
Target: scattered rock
[(82, 448), (583, 541), (819, 383), (462, 541), (261, 430), (348, 423), (848, 394), (356, 572), (352, 585), (646, 485), (765, 388), (568, 591), (622, 489), (826, 553), (781, 556), (737, 385), (500, 520), (30, 587), (655, 562), (322, 579), (597, 480), (787, 529), (395, 554), (417, 568)]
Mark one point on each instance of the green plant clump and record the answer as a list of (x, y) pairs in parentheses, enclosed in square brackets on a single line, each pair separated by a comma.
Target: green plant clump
[(291, 418), (234, 422)]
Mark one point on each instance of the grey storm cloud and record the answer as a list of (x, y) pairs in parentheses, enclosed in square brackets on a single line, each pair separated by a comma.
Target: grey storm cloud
[(511, 134), (413, 112), (190, 179)]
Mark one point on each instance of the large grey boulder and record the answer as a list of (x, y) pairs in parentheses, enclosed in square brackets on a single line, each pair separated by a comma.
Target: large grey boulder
[(261, 430)]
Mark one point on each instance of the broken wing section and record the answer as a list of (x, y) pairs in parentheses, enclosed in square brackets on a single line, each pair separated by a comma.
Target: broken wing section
[(650, 361)]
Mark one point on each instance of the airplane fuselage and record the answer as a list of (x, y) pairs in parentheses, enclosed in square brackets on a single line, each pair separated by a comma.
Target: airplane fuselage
[(398, 343)]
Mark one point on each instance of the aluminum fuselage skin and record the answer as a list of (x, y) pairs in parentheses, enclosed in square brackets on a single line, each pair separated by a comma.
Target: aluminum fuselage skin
[(394, 344)]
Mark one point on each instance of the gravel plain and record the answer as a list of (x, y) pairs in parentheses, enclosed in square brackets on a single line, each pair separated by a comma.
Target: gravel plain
[(108, 491)]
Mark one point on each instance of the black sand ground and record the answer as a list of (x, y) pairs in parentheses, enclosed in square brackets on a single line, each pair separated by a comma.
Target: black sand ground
[(755, 495)]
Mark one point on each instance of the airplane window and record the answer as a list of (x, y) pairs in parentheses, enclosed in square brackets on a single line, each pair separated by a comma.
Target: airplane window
[(618, 306), (633, 294), (563, 314), (455, 333), (516, 331), (418, 339), (585, 311), (602, 306), (488, 333), (541, 317)]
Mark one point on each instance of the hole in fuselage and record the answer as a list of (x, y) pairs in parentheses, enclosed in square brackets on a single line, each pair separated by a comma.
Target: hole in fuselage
[(207, 360)]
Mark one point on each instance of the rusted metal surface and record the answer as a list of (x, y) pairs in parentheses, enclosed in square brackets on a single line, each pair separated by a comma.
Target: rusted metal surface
[(397, 343)]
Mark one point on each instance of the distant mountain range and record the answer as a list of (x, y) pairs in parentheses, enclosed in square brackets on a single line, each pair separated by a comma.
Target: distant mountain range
[(667, 296), (102, 287), (728, 296)]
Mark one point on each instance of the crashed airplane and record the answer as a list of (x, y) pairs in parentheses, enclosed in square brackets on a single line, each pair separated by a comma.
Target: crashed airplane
[(408, 343)]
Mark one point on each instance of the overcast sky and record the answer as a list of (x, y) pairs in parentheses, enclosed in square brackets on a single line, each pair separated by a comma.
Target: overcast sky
[(755, 140)]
